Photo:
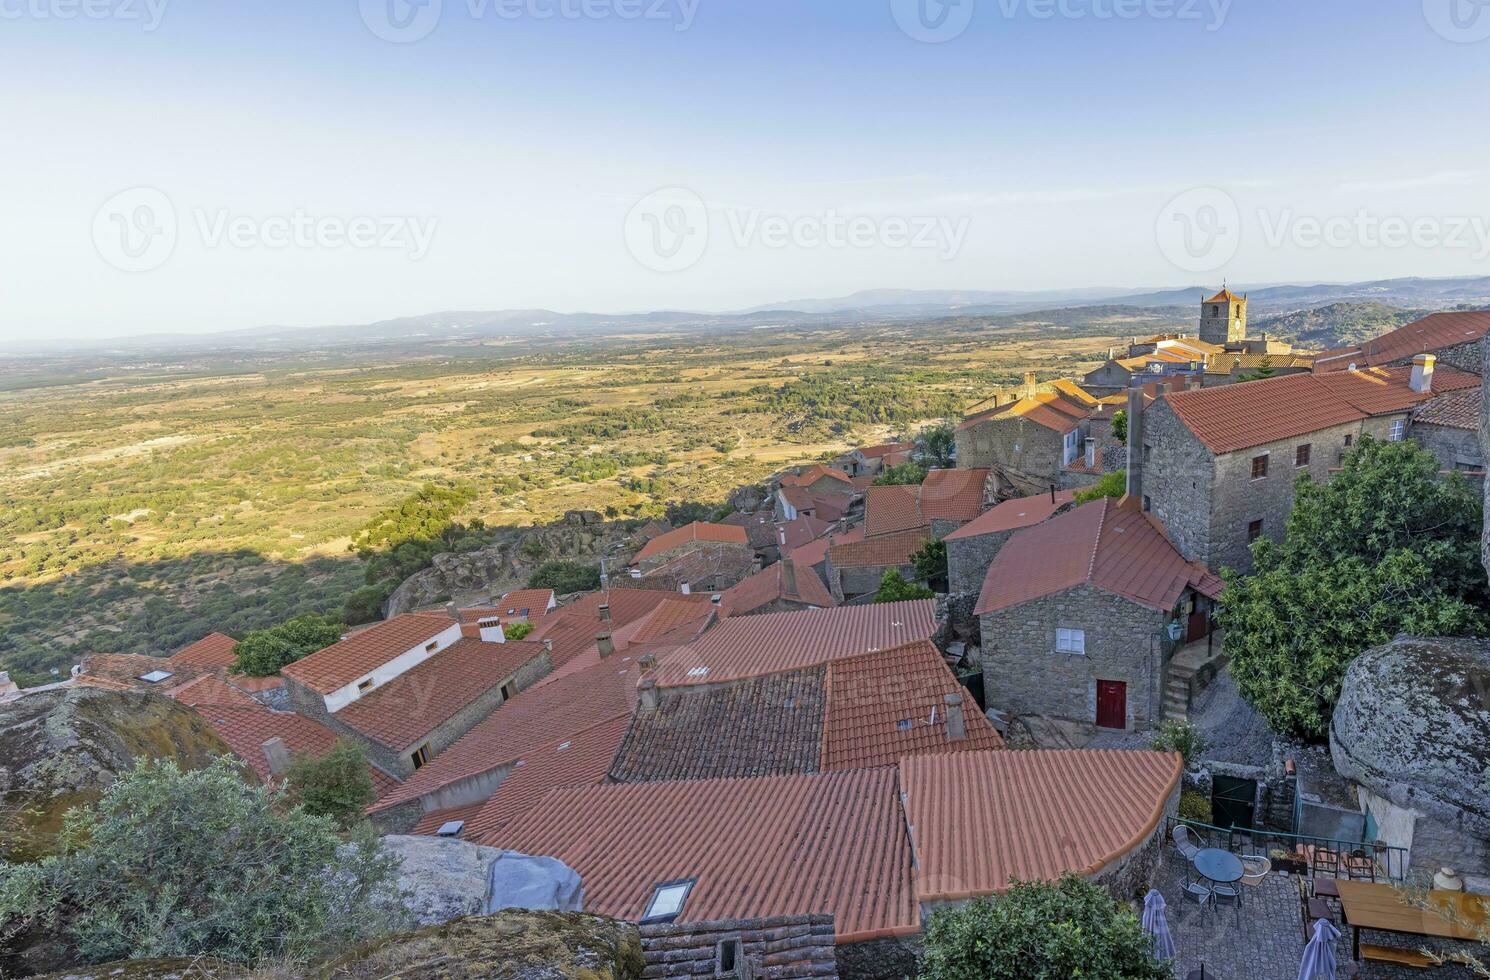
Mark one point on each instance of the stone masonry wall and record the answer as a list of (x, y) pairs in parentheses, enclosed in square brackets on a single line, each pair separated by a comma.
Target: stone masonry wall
[(968, 560), (1177, 476), (1031, 468), (1455, 448), (1024, 675)]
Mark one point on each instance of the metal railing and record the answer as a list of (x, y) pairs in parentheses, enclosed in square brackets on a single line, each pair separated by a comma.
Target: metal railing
[(1311, 855)]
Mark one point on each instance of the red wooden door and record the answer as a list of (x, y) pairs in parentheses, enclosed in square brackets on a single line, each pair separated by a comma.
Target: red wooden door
[(1112, 704), (1200, 625)]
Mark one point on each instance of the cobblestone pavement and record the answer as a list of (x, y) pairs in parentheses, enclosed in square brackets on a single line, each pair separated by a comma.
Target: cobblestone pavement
[(1261, 940)]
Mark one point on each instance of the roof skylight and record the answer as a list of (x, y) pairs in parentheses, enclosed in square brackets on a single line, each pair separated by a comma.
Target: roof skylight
[(155, 676), (667, 901)]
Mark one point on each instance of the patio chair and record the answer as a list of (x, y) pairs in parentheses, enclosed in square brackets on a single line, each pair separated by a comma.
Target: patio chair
[(1200, 894), (1255, 869), (1326, 862), (1185, 842), (1224, 894), (1311, 909)]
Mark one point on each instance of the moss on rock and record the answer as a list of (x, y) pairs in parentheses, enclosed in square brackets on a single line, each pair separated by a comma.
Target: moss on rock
[(171, 968)]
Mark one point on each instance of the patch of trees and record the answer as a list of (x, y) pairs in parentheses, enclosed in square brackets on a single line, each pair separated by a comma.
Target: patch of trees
[(902, 474), (565, 577), (605, 426), (895, 588), (1386, 547), (261, 653)]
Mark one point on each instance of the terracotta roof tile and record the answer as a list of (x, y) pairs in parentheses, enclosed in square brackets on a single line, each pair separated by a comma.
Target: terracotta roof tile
[(1053, 410), (247, 729), (770, 585), (752, 646), (572, 627), (209, 689), (884, 449), (400, 713), (764, 726), (890, 510), (816, 551), (1383, 390), (953, 495), (429, 825), (697, 531), (1432, 333), (791, 535), (884, 551), (348, 660), (1455, 410), (825, 506), (128, 669), (1115, 547), (979, 818), (815, 473), (785, 845), (213, 651), (882, 706)]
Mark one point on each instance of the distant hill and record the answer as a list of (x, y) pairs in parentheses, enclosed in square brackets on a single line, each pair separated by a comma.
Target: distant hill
[(1336, 325)]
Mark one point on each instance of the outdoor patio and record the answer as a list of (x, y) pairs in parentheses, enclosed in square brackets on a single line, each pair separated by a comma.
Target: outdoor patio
[(1261, 940)]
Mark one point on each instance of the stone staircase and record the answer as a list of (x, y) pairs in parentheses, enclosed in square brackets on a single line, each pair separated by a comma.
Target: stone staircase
[(1191, 668), (1177, 693)]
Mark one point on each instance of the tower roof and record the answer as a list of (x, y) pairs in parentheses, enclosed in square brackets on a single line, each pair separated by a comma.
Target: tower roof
[(1226, 296)]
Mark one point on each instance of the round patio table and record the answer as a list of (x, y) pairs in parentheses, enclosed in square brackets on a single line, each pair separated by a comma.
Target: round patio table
[(1222, 867)]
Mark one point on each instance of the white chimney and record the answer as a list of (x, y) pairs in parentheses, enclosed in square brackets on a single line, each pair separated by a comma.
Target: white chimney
[(956, 721), (648, 690), (606, 644), (685, 588), (1091, 453), (277, 755), (1422, 373), (452, 612), (605, 612), (491, 631)]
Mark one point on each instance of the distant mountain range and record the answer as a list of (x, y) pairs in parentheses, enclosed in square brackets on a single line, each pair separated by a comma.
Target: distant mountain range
[(870, 306)]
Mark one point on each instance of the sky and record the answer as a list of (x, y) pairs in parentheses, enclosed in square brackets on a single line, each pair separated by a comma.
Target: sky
[(202, 165)]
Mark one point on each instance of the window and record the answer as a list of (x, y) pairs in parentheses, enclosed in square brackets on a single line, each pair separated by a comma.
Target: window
[(420, 758), (1301, 455), (1148, 504), (509, 690), (1348, 440), (667, 901), (155, 676), (1070, 641), (430, 646), (1147, 452), (1399, 430), (1070, 447), (1259, 466), (1254, 531), (364, 686)]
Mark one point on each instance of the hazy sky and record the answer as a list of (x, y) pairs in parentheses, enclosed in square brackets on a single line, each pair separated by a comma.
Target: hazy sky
[(196, 165)]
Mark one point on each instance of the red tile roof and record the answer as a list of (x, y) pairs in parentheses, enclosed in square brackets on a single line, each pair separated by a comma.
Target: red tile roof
[(1053, 410), (979, 818), (403, 711), (213, 651), (1456, 410), (1254, 413), (208, 689), (529, 603), (247, 729), (792, 535), (1226, 296), (890, 510), (572, 627), (815, 473), (884, 551), (884, 449), (825, 506), (429, 825), (671, 624), (1432, 333), (753, 646), (770, 585), (816, 551), (781, 845), (697, 531), (1115, 547), (542, 715), (1014, 514), (885, 705), (581, 759), (953, 495), (351, 659)]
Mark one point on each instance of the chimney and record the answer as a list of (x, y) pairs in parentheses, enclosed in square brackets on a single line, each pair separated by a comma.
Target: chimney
[(716, 598), (1091, 453), (1112, 353), (1029, 379), (277, 754), (788, 577), (1196, 382), (548, 644), (605, 612), (647, 662), (606, 644), (452, 612), (1422, 373), (491, 631), (685, 588), (648, 690), (1135, 443), (956, 721)]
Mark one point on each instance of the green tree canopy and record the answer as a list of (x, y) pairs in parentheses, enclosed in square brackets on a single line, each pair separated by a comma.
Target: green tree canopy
[(565, 577), (931, 564), (1040, 931), (937, 445), (1120, 425), (894, 588), (1113, 484), (202, 863), (262, 653), (336, 784), (905, 474), (1386, 547)]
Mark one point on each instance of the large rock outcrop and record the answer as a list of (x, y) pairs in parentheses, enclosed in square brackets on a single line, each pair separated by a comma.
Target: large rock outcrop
[(62, 748), (446, 879), (511, 945), (1412, 726)]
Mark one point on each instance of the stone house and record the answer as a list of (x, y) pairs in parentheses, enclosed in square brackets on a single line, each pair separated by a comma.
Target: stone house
[(692, 537), (872, 460), (1080, 615), (1217, 466), (1028, 443), (972, 547), (1448, 426), (1455, 339), (821, 479), (410, 686), (854, 569), (794, 503), (781, 587)]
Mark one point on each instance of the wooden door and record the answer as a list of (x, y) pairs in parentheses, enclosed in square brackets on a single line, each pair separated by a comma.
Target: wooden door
[(1199, 626), (1112, 704)]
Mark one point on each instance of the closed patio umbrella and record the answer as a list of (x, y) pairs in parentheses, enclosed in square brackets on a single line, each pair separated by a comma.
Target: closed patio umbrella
[(1156, 925), (1319, 956)]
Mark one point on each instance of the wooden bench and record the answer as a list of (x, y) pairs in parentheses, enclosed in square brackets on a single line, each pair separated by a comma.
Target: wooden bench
[(1391, 954)]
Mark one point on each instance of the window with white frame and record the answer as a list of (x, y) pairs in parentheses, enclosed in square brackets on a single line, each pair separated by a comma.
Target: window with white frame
[(1070, 641), (1399, 430), (1071, 440)]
